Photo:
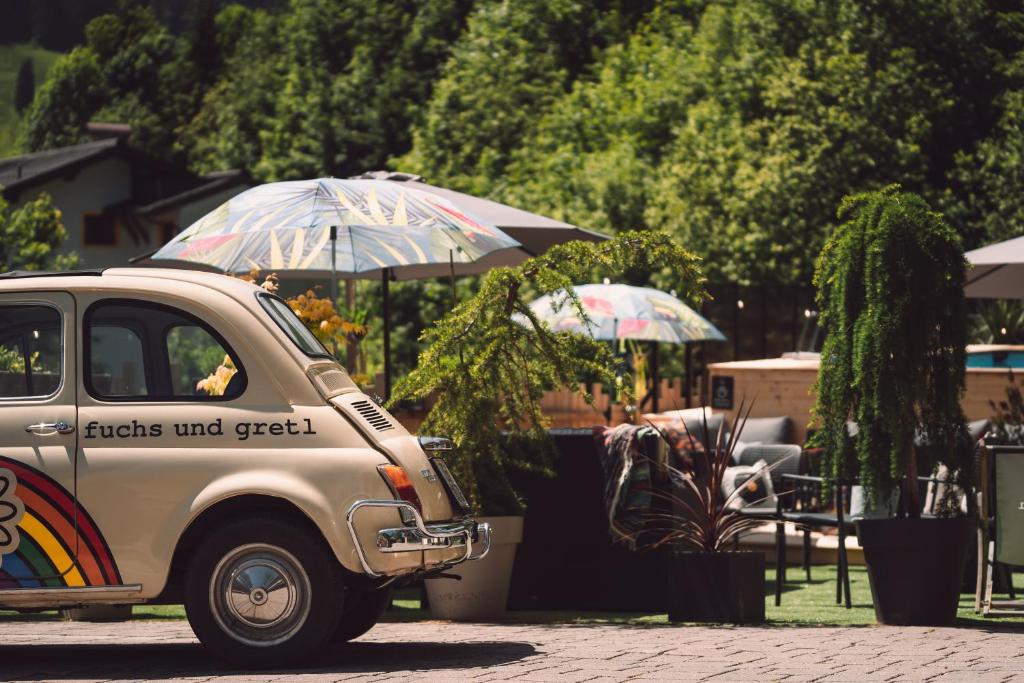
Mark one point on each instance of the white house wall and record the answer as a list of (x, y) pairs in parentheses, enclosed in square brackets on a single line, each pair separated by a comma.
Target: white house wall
[(92, 189)]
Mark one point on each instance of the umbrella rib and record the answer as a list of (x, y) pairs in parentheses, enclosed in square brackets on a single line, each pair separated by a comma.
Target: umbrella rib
[(985, 275)]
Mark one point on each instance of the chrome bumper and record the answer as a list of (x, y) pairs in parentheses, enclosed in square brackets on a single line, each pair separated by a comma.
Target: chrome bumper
[(420, 537)]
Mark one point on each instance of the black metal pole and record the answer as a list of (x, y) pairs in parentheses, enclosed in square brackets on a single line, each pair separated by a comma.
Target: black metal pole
[(764, 321), (334, 272), (688, 383), (736, 322), (386, 314), (654, 374)]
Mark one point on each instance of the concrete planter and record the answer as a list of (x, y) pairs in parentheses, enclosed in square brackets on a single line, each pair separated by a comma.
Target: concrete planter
[(482, 594)]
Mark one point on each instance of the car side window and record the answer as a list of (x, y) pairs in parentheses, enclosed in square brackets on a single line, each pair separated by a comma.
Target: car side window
[(30, 351), (117, 363), (138, 350)]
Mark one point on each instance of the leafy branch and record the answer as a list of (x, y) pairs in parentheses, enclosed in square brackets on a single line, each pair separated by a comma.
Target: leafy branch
[(490, 360)]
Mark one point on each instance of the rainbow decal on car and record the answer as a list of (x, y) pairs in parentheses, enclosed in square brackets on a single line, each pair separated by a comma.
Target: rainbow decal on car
[(42, 549)]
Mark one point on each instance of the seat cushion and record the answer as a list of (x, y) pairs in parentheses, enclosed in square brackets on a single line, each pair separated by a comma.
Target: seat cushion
[(754, 485), (783, 459), (771, 430)]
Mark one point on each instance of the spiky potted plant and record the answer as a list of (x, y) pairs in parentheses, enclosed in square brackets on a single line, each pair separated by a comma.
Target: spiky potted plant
[(710, 581), (890, 289)]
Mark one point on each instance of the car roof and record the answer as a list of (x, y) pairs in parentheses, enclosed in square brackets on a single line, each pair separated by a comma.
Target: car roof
[(149, 278)]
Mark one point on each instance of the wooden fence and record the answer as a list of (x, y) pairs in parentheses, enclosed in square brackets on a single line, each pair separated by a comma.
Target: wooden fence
[(783, 386), (566, 408)]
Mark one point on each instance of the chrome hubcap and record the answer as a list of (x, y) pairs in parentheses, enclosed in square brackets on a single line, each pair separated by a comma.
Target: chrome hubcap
[(260, 594)]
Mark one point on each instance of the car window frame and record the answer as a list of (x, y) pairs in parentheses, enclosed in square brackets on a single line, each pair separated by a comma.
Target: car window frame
[(62, 317), (324, 354), (174, 310)]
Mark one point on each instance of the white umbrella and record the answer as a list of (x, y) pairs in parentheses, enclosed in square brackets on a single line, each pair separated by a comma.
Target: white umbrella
[(997, 271)]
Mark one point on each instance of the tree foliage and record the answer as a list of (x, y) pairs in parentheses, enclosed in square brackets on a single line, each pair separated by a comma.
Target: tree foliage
[(24, 85), (489, 361), (734, 126), (890, 289), (31, 235), (130, 70), (737, 126)]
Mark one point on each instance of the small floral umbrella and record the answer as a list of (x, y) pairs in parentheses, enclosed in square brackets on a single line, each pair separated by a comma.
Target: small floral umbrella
[(621, 312), (625, 312)]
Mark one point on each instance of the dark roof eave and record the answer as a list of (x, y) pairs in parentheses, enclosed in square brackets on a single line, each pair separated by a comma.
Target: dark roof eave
[(219, 184), (13, 189)]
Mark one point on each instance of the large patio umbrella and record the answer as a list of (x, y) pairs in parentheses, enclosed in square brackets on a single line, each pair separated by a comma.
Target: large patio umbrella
[(620, 312), (355, 228), (997, 271), (535, 233)]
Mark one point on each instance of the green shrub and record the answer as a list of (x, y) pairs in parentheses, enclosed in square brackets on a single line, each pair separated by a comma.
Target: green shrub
[(891, 293)]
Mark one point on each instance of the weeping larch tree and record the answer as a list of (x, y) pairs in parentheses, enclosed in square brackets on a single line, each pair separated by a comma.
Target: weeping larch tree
[(490, 360), (890, 288)]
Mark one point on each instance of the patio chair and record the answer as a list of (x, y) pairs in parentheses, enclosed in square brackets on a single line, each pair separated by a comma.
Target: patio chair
[(798, 498), (1000, 534), (804, 512)]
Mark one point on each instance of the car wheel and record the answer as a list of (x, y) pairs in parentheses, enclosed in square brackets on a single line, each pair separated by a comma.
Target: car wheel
[(264, 592), (362, 612)]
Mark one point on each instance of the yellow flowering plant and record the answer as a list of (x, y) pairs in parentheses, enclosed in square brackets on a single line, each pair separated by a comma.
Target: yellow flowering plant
[(217, 383), (317, 313)]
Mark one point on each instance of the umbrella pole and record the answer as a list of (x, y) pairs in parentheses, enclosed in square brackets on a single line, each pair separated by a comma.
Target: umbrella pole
[(451, 280), (688, 383), (386, 313), (655, 390), (334, 271), (350, 346)]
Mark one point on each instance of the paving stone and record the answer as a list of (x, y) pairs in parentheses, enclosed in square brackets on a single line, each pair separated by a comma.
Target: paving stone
[(436, 651)]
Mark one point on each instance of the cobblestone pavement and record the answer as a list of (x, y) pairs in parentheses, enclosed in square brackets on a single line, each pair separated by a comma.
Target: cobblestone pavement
[(564, 653)]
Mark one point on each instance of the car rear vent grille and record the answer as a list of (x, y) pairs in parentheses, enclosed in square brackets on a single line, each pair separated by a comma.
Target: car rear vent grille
[(372, 415)]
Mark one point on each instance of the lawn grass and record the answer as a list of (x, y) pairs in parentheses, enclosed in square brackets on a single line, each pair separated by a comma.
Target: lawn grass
[(10, 60), (803, 604)]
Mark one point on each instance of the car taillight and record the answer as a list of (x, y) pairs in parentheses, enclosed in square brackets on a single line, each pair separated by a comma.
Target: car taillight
[(400, 484)]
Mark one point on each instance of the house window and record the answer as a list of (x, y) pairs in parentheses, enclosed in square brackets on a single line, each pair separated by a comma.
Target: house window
[(99, 230)]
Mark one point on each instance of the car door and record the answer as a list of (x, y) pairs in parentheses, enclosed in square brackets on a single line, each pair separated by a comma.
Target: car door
[(39, 516), (157, 402)]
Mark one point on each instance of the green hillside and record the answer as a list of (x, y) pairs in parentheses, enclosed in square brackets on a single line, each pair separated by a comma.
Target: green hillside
[(10, 59)]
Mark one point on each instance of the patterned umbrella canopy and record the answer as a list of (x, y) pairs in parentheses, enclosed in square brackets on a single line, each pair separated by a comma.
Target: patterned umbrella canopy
[(625, 312), (380, 225)]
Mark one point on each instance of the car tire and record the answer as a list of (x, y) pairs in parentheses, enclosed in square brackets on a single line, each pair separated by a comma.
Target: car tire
[(264, 592), (362, 612)]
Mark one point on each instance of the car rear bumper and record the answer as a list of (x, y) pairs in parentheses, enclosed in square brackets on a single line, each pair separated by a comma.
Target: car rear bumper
[(473, 537)]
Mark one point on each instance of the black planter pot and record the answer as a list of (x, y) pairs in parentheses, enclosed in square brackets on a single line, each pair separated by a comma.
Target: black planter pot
[(717, 587), (916, 567)]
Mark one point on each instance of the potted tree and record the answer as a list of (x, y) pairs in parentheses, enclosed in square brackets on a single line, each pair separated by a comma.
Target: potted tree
[(890, 289), (486, 367)]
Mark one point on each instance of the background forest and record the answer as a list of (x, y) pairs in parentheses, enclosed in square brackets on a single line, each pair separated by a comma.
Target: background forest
[(735, 125)]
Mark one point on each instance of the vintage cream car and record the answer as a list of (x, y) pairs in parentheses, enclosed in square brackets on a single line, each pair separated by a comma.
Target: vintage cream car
[(171, 436)]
